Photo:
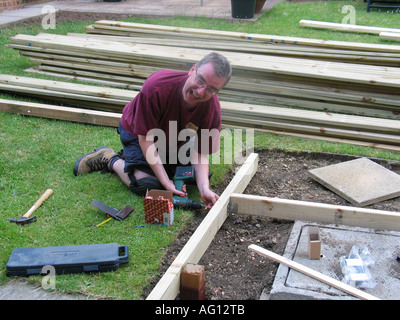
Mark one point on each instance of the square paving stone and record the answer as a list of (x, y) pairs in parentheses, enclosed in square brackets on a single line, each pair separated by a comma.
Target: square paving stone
[(361, 182)]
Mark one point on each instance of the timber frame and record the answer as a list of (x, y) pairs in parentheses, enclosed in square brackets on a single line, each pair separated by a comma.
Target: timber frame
[(232, 199)]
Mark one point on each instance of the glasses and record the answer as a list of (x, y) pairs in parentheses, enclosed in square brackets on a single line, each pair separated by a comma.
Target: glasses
[(202, 84)]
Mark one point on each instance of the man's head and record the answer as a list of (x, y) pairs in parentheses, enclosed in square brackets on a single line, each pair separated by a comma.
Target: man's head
[(206, 78)]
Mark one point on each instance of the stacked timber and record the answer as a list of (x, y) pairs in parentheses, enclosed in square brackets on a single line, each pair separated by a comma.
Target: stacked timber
[(243, 42), (279, 84), (340, 87), (361, 130), (72, 94)]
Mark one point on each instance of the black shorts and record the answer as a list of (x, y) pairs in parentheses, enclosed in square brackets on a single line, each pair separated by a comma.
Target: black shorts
[(134, 158)]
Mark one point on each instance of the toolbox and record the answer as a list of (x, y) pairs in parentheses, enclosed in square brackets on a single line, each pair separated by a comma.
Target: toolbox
[(67, 259)]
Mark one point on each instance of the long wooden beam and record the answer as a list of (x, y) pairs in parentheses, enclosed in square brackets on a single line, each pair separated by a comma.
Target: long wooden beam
[(110, 119), (395, 36), (345, 27), (168, 287), (316, 212)]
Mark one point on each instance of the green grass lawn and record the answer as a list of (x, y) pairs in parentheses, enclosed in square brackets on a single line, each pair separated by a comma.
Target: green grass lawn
[(37, 154)]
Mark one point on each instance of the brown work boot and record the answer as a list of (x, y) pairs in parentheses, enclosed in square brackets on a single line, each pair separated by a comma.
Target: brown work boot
[(95, 161)]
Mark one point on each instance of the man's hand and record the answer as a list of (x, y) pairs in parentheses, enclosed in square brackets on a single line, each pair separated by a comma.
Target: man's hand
[(170, 186), (201, 167), (209, 197)]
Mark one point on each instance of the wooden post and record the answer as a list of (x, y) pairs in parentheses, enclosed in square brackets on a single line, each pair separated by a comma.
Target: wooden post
[(193, 282)]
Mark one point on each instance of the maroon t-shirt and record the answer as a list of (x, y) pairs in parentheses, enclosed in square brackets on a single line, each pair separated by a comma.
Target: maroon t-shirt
[(160, 104)]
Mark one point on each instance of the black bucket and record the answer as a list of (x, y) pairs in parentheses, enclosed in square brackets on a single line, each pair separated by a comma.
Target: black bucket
[(243, 9)]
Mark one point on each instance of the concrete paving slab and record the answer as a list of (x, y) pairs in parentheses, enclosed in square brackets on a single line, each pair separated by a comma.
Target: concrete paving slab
[(361, 181), (7, 17), (141, 8), (150, 8), (337, 241)]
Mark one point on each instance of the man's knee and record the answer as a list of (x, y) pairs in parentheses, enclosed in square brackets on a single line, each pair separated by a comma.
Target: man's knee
[(141, 186)]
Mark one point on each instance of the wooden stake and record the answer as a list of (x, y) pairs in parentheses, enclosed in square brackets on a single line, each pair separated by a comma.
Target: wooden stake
[(192, 282)]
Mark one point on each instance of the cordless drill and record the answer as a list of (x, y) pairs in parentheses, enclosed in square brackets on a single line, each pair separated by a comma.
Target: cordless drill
[(182, 176)]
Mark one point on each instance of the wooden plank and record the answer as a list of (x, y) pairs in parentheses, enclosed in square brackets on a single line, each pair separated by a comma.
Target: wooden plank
[(313, 273), (168, 287), (308, 117), (316, 212), (127, 82), (345, 27), (71, 98), (348, 96), (310, 129), (395, 36), (68, 87), (61, 113), (324, 138), (104, 83), (107, 71)]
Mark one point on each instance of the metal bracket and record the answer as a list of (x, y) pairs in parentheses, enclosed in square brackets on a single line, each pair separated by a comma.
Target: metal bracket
[(232, 208)]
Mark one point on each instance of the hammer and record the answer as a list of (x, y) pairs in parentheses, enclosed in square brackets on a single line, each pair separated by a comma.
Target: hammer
[(26, 218)]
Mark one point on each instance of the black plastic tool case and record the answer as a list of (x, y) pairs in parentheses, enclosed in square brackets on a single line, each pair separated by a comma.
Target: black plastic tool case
[(67, 259)]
